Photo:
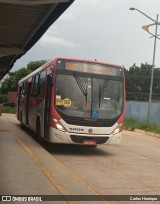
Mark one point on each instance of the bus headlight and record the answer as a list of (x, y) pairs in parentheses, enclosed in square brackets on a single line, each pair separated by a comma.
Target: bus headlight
[(118, 129), (59, 126)]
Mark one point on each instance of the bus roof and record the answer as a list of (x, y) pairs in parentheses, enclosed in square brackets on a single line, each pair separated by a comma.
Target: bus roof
[(89, 60)]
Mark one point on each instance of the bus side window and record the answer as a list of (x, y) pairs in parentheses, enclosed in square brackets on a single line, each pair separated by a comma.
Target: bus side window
[(35, 86), (23, 89), (20, 92), (32, 90), (42, 80)]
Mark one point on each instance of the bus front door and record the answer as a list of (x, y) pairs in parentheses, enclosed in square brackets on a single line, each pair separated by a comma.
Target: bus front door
[(47, 107), (27, 102)]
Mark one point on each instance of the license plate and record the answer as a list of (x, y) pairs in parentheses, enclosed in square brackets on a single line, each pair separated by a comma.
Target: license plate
[(89, 142)]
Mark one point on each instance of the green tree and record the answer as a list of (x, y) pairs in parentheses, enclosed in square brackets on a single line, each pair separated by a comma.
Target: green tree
[(35, 64), (11, 83), (138, 80)]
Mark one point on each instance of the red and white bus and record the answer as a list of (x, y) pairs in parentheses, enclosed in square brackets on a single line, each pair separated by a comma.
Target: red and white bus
[(74, 101)]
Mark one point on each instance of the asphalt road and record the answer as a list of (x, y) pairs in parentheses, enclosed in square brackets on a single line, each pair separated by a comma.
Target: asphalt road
[(132, 168)]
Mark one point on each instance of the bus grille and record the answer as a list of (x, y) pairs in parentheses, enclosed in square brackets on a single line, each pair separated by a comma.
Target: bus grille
[(80, 139)]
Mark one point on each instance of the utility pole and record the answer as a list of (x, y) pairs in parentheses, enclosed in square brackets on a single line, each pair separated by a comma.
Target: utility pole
[(146, 28)]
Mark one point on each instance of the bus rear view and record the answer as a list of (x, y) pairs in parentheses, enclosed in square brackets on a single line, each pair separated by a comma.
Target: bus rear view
[(86, 102)]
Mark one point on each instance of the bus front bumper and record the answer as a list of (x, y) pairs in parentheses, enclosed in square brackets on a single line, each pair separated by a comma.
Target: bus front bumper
[(57, 136)]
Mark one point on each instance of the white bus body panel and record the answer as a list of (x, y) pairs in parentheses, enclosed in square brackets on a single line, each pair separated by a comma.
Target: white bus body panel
[(57, 136), (34, 112)]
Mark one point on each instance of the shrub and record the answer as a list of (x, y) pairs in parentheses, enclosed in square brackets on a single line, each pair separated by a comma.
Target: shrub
[(3, 98)]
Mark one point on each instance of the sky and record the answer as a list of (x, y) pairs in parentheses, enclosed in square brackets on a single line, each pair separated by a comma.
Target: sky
[(105, 30)]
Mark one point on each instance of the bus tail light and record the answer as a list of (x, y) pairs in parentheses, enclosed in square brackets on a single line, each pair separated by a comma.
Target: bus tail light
[(118, 129), (58, 125)]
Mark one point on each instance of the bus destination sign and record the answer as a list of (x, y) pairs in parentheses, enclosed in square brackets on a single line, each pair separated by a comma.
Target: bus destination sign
[(93, 68)]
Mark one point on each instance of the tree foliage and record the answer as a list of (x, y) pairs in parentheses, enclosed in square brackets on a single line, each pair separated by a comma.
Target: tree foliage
[(138, 78), (11, 83), (3, 98), (35, 64)]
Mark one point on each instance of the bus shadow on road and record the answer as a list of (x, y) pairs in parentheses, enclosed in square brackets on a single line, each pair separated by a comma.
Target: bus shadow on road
[(72, 149)]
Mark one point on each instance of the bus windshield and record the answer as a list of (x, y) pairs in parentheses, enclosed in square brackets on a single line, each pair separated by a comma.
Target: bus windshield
[(88, 97)]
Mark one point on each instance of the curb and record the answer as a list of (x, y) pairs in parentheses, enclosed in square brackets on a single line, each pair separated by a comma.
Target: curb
[(145, 132)]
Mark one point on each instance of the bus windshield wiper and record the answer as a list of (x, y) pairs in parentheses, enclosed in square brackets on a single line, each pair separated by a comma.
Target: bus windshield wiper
[(102, 90), (80, 84)]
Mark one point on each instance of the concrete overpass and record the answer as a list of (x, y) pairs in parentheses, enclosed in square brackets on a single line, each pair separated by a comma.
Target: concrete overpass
[(22, 23)]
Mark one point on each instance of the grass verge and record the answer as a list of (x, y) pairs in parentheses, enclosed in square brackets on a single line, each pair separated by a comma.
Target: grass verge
[(131, 124), (8, 109)]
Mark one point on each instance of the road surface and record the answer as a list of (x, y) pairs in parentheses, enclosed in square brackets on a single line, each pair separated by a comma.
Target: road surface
[(132, 168)]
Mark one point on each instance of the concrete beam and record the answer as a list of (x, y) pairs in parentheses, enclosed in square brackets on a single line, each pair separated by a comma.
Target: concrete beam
[(10, 51), (32, 2)]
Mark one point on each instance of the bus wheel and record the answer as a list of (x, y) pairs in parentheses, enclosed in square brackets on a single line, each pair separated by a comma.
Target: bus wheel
[(38, 130)]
